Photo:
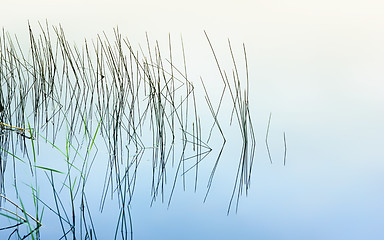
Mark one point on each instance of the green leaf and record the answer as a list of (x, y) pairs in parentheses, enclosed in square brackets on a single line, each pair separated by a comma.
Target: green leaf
[(49, 169)]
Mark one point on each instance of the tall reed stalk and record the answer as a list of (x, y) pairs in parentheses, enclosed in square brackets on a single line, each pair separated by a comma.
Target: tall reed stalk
[(96, 104)]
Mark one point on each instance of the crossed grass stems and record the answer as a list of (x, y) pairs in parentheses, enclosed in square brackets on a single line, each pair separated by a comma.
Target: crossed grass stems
[(108, 89)]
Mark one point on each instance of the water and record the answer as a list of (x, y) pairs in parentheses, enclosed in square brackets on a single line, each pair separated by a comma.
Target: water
[(319, 74)]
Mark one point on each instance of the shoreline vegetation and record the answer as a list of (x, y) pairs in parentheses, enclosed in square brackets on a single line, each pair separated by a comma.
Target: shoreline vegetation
[(132, 100)]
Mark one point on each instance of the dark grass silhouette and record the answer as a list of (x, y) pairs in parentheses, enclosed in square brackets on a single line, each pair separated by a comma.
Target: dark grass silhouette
[(107, 92)]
